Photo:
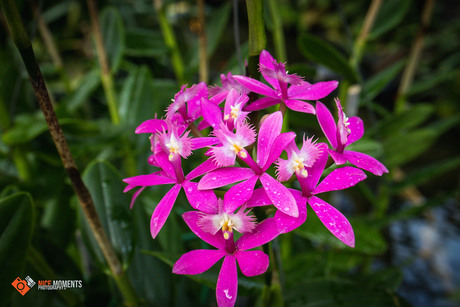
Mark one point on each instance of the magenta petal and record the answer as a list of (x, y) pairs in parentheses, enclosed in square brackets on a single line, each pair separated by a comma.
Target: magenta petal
[(255, 86), (356, 127), (340, 179), (327, 123), (135, 195), (262, 103), (337, 224), (259, 198), (197, 261), (211, 113), (203, 142), (202, 200), (365, 162), (269, 130), (152, 126), (315, 172), (266, 59), (287, 223), (313, 91), (252, 263), (192, 218), (205, 167), (277, 148), (339, 158), (161, 212), (300, 106), (227, 283), (146, 180), (280, 195), (163, 162), (223, 176), (239, 194), (264, 232)]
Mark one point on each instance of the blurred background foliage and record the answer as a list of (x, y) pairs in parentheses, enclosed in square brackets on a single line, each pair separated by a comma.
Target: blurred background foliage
[(406, 223)]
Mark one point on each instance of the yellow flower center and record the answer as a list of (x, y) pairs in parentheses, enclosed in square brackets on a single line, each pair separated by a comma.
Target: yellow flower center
[(227, 226), (173, 147)]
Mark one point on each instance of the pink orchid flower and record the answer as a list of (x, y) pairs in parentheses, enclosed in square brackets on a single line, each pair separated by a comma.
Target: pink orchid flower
[(270, 144), (251, 262), (346, 132), (218, 94), (276, 75)]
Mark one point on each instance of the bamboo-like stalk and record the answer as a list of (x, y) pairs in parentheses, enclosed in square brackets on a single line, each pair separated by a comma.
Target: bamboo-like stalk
[(171, 42), (22, 42), (203, 70), (278, 34), (414, 57), (106, 74), (257, 37)]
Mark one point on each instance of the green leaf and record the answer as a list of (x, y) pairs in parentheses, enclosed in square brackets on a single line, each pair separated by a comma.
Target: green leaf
[(17, 214), (144, 43), (112, 205), (390, 15), (432, 80), (113, 34), (377, 83), (321, 52), (26, 128), (85, 88)]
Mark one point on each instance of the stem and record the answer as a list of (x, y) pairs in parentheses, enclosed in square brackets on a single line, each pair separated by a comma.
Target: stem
[(236, 31), (278, 34), (257, 38), (24, 46), (203, 70), (414, 57), (106, 74), (171, 42)]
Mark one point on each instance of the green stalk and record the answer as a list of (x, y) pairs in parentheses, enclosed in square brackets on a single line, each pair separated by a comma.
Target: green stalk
[(278, 34), (106, 74), (22, 42), (257, 38), (171, 42), (203, 67)]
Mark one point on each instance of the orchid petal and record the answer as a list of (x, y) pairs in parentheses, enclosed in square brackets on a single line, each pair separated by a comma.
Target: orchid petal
[(365, 162), (259, 198), (338, 157), (165, 164), (146, 180), (312, 91), (337, 224), (356, 127), (266, 59), (327, 123), (203, 142), (340, 179), (269, 130), (212, 113), (262, 103), (202, 200), (280, 195), (239, 194), (300, 106), (278, 146), (223, 176), (197, 261), (152, 126), (252, 263), (264, 232), (205, 167), (287, 223), (192, 218), (135, 195), (161, 212), (255, 86), (227, 283)]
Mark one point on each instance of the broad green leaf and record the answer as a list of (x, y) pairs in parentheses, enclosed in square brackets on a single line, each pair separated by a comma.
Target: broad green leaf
[(17, 214), (26, 127), (390, 15), (321, 52), (431, 80), (85, 88), (144, 43), (113, 34), (377, 83), (112, 205)]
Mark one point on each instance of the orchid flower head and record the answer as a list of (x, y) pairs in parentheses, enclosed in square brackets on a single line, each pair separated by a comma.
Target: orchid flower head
[(173, 143)]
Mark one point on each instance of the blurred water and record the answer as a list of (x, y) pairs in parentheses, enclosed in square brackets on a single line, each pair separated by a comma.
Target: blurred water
[(427, 249)]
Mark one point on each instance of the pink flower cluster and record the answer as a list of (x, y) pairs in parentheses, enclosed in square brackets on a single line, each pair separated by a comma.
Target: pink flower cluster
[(214, 220)]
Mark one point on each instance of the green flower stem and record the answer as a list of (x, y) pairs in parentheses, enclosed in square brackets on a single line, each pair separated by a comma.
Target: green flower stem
[(203, 67), (171, 42), (22, 166), (106, 74), (22, 42), (39, 263), (414, 57), (257, 38), (278, 34)]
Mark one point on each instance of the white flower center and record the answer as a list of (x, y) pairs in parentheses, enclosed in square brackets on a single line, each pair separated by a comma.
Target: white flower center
[(298, 165), (173, 146), (227, 225)]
